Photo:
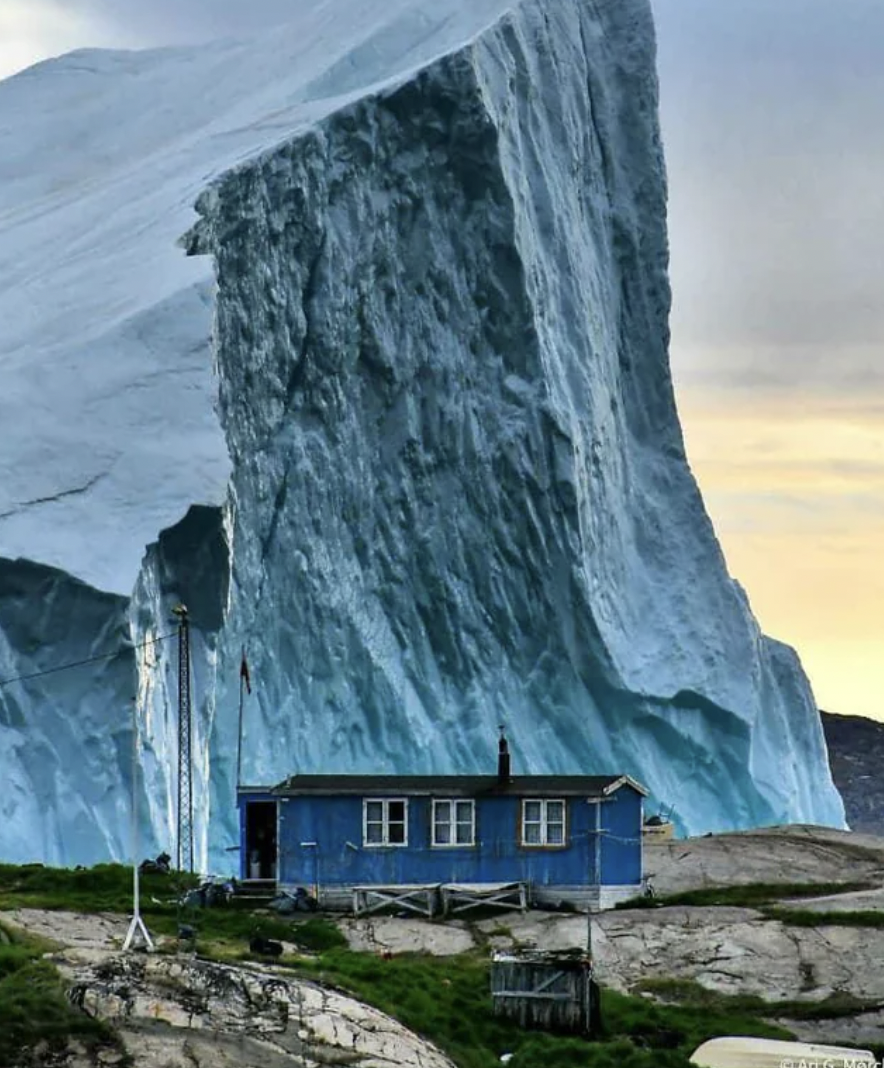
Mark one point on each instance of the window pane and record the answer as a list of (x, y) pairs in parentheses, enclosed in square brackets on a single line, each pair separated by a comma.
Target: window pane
[(443, 834), (397, 833), (555, 834), (465, 833), (532, 833), (397, 811), (443, 811), (464, 811), (374, 833), (532, 812), (555, 811), (374, 811)]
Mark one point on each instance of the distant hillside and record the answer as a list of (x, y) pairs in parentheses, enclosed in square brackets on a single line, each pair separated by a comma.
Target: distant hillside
[(856, 754)]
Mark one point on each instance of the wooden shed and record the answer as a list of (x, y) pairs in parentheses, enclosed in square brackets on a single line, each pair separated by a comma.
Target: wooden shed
[(546, 991)]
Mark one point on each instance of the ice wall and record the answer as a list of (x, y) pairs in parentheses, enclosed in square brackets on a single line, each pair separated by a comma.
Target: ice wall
[(462, 494), (65, 737), (459, 494)]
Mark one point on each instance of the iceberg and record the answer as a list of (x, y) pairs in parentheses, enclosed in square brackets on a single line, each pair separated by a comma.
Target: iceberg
[(353, 338)]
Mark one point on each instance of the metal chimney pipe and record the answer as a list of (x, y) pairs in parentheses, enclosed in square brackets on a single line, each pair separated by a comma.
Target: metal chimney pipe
[(503, 760)]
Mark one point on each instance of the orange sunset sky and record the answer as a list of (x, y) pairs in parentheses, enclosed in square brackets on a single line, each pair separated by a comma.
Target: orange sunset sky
[(775, 149)]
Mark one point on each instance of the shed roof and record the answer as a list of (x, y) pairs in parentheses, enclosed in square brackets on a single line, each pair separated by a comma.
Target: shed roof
[(600, 786)]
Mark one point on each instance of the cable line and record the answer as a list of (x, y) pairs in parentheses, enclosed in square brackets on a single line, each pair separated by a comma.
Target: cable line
[(88, 660)]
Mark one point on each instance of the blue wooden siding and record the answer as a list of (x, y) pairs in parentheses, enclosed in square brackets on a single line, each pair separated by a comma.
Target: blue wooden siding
[(321, 843), (621, 846)]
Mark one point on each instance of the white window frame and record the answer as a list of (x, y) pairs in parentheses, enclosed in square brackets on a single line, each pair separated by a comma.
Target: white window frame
[(385, 842), (544, 803), (453, 822)]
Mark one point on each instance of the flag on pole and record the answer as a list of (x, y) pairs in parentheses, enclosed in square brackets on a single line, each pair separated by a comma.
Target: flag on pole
[(244, 673)]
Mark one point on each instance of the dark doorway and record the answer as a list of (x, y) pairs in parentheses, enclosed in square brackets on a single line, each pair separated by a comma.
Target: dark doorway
[(261, 840)]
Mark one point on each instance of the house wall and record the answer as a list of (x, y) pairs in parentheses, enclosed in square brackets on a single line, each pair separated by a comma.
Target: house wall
[(320, 844), (621, 844)]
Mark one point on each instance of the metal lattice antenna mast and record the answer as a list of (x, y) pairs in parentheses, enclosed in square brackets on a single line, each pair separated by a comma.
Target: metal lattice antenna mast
[(185, 765)]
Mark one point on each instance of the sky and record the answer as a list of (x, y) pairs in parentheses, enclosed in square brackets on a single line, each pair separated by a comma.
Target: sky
[(773, 131)]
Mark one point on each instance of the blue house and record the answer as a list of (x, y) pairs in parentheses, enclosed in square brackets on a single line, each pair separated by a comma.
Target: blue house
[(364, 841)]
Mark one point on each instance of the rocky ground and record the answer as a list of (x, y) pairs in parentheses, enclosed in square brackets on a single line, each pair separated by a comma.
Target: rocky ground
[(794, 854), (175, 1011), (729, 950)]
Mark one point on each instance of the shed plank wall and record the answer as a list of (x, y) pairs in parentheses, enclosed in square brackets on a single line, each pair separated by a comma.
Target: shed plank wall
[(568, 1011)]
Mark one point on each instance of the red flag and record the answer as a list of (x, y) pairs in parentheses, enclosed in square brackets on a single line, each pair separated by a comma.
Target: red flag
[(244, 673)]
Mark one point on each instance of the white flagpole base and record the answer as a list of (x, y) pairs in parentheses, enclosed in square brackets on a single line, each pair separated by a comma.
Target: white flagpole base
[(137, 927)]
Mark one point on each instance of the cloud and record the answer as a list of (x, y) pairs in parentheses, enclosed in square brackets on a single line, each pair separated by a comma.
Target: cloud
[(162, 22), (771, 123), (32, 30)]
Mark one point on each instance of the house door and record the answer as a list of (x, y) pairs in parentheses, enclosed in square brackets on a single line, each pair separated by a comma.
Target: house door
[(261, 845)]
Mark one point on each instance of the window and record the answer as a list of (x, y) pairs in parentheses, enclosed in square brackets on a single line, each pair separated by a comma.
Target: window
[(385, 822), (543, 823), (454, 823)]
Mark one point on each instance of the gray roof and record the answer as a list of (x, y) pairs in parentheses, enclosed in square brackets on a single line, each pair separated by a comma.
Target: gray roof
[(453, 785)]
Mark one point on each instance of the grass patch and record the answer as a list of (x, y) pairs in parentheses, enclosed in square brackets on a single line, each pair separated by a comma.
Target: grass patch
[(108, 888), (448, 1000), (317, 935), (809, 918), (838, 1004), (689, 993), (501, 930), (222, 924), (104, 888), (683, 1027), (34, 1009), (620, 1053), (752, 895)]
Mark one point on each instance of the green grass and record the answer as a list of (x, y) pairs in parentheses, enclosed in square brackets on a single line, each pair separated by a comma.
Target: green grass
[(689, 993), (448, 1000), (104, 888), (318, 934), (108, 888), (542, 1050), (809, 918), (34, 1010), (682, 1027), (752, 895), (220, 924)]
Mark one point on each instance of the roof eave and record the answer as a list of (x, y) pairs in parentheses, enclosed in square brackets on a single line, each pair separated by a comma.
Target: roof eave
[(625, 780)]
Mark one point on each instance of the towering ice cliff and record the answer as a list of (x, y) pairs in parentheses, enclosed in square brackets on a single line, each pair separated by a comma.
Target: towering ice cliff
[(451, 489)]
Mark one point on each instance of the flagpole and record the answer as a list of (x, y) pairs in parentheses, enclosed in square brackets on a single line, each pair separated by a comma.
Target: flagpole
[(242, 682), (136, 925)]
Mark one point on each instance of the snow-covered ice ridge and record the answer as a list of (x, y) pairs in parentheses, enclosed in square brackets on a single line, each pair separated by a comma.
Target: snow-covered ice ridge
[(400, 421)]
